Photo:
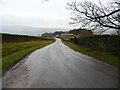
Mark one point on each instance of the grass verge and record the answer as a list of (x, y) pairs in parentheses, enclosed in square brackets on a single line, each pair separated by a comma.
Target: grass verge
[(11, 59), (106, 57)]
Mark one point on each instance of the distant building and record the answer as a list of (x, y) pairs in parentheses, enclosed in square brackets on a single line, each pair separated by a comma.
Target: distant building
[(67, 34), (57, 36), (85, 33)]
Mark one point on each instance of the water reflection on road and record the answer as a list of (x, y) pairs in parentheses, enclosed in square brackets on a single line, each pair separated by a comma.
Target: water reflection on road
[(58, 66)]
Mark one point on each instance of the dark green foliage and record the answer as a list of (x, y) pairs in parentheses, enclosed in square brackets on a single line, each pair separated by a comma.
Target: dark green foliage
[(58, 33), (71, 40), (75, 40), (19, 38), (102, 43), (76, 31), (46, 35)]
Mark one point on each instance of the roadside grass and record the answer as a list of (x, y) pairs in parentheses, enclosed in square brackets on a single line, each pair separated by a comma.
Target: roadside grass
[(68, 37), (10, 47), (106, 57), (14, 52)]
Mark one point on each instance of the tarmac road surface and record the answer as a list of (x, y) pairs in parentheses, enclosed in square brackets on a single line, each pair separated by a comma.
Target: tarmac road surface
[(58, 66)]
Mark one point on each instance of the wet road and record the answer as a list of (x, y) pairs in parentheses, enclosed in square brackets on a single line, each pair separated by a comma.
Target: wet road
[(58, 66)]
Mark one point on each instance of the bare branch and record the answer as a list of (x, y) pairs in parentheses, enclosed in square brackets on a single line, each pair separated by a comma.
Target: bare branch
[(93, 15)]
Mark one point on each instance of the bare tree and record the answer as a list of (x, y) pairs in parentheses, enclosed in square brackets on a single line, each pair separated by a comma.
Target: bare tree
[(96, 16)]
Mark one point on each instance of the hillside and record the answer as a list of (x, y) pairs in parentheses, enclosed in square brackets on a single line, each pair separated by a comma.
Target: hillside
[(16, 47)]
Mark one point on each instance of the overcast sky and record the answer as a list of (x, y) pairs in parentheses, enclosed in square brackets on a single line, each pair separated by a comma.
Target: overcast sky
[(36, 13)]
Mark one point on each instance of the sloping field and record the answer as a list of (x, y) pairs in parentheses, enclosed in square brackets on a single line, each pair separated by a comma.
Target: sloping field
[(16, 47)]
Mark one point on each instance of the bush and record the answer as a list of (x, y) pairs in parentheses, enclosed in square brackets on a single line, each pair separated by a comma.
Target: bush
[(102, 43)]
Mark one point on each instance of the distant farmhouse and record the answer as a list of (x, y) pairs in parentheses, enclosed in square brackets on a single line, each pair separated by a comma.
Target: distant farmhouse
[(64, 34), (75, 32), (85, 33), (57, 36), (67, 34), (81, 34)]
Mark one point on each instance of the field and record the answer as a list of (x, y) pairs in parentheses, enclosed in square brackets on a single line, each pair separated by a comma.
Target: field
[(16, 47)]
